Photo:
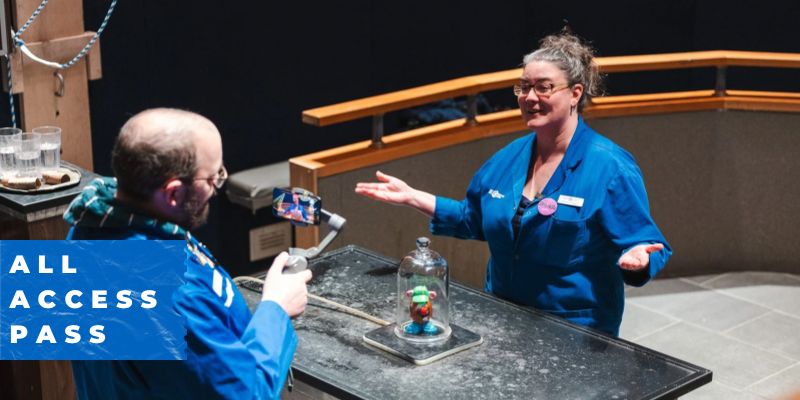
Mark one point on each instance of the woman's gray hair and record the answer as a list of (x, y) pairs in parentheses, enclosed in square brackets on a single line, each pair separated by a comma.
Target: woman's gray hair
[(576, 59)]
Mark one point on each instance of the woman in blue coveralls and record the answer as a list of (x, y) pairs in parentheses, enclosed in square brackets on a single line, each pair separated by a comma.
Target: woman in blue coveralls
[(564, 210)]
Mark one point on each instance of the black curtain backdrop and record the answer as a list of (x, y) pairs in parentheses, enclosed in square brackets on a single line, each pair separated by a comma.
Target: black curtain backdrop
[(252, 67)]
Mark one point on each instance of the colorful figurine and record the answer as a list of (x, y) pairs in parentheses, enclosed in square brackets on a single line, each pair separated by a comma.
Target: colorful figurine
[(421, 311)]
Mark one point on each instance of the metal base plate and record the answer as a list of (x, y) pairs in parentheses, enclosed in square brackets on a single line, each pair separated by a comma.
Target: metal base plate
[(385, 339)]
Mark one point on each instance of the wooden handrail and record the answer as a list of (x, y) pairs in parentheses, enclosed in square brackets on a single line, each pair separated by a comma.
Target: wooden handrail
[(359, 155), (308, 169), (384, 103)]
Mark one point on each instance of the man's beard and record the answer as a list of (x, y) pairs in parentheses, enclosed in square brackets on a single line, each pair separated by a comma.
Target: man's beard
[(194, 214)]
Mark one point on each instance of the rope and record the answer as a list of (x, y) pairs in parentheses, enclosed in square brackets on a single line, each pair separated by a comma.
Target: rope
[(35, 14), (11, 93), (311, 296), (21, 44)]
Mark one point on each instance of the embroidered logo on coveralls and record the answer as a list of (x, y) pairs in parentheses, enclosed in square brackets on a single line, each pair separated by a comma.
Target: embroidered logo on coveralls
[(496, 194)]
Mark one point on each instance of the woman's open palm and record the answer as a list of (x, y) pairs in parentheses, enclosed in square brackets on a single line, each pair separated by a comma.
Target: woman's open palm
[(392, 190)]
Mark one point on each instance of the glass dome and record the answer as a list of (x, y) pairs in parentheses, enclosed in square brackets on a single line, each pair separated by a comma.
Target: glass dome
[(423, 296)]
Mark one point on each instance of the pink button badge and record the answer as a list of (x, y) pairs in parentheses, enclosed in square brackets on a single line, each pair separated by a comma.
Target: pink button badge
[(547, 206)]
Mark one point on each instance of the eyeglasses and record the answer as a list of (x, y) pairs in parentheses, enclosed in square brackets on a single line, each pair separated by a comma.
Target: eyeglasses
[(218, 179), (540, 88)]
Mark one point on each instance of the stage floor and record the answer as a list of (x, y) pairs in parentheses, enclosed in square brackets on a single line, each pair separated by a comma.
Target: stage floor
[(743, 326)]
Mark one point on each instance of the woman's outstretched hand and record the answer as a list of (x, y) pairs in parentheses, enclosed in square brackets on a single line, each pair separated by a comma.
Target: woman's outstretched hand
[(639, 256), (395, 191)]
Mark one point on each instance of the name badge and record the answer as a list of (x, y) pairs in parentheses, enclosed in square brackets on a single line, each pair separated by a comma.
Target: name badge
[(570, 201)]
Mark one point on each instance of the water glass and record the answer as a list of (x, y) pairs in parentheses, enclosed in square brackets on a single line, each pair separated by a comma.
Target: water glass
[(8, 167), (28, 153), (51, 147)]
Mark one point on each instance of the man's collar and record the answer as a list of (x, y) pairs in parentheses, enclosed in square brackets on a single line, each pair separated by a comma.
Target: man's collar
[(97, 207)]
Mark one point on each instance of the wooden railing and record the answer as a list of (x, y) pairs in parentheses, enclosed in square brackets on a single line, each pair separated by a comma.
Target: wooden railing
[(307, 169), (376, 106)]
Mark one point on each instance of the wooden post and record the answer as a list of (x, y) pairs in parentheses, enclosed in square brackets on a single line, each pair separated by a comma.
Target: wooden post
[(55, 35), (305, 178)]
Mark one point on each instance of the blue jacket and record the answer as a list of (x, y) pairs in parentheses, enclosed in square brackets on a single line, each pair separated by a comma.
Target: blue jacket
[(566, 263), (299, 208), (232, 354)]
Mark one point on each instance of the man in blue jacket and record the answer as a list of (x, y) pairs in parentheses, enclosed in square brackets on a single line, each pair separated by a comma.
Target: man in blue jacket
[(168, 164)]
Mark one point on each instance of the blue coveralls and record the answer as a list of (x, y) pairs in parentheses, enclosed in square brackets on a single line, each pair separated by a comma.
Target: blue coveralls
[(299, 208), (232, 354), (565, 263)]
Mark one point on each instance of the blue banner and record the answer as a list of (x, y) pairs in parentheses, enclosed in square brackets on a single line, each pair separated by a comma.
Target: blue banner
[(91, 300)]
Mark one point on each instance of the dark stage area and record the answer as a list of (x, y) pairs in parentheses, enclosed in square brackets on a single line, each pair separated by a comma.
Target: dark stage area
[(252, 68)]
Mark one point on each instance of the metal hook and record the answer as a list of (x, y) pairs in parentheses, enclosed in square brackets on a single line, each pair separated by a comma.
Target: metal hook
[(60, 92)]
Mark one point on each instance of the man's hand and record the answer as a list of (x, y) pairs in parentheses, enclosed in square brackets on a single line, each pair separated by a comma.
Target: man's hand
[(289, 291), (639, 256)]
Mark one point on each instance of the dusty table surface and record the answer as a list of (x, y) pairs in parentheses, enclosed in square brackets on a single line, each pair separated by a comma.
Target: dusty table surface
[(526, 354)]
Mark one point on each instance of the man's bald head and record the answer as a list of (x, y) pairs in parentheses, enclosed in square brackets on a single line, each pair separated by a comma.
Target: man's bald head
[(157, 145)]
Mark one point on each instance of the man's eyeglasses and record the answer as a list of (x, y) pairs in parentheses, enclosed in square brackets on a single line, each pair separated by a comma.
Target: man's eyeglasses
[(540, 88), (218, 179)]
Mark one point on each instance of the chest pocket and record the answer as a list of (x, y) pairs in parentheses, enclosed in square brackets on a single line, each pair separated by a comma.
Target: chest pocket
[(564, 243)]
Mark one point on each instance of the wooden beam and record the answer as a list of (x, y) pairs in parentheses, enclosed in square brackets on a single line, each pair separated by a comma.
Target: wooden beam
[(306, 170), (57, 31), (388, 102), (773, 95), (694, 101), (759, 59), (655, 107), (73, 43), (360, 155), (94, 66), (41, 107), (63, 49), (17, 81), (381, 104), (306, 178), (57, 381), (58, 19), (651, 62), (652, 97), (762, 104)]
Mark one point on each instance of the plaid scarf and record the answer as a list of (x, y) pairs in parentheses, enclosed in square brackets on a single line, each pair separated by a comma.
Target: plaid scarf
[(96, 207)]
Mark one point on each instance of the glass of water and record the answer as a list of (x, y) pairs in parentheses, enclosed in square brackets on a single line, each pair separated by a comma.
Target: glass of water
[(27, 153), (51, 147), (7, 165)]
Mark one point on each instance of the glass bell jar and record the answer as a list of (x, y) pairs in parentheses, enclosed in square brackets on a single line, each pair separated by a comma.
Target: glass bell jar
[(423, 296)]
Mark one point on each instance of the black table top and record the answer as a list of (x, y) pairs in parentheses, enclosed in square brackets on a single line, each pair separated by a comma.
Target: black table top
[(26, 203), (526, 354)]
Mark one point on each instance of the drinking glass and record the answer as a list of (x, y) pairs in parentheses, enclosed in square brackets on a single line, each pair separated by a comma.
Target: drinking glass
[(7, 165), (51, 147), (27, 153)]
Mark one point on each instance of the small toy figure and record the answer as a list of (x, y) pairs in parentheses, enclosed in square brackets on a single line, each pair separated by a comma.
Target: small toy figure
[(421, 311)]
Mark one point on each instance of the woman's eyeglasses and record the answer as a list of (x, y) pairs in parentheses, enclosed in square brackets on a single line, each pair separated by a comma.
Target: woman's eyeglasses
[(540, 88)]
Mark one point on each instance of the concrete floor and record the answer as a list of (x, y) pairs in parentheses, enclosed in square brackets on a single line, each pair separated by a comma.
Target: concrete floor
[(745, 327)]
